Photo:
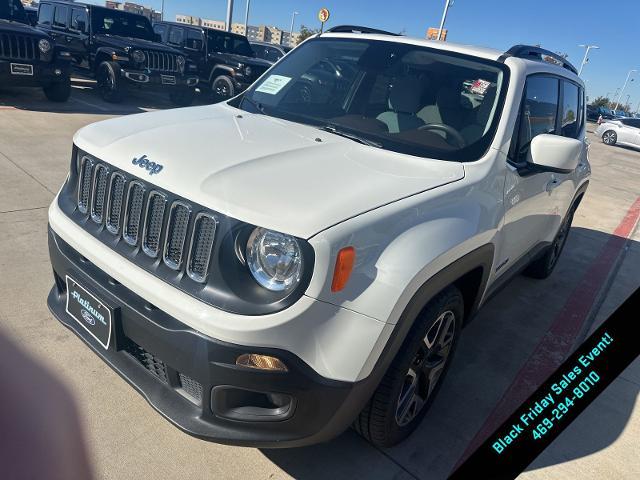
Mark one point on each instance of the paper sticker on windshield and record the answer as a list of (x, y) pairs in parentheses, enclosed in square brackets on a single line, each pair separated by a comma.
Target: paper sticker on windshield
[(273, 84)]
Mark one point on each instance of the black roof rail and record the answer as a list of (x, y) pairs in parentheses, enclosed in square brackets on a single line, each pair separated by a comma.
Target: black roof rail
[(537, 53), (359, 29)]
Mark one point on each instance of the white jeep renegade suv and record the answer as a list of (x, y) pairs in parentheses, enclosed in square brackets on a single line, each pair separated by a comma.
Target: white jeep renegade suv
[(271, 270)]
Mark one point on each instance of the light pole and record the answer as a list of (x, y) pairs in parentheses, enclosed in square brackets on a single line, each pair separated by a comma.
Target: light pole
[(229, 14), (623, 87), (586, 55), (162, 11), (293, 19), (447, 4), (246, 19)]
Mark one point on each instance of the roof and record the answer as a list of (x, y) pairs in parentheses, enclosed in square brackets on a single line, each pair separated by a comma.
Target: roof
[(200, 27), (522, 53), (487, 53)]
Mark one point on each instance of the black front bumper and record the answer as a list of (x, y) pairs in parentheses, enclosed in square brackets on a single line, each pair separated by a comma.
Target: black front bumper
[(158, 80), (43, 73), (192, 379)]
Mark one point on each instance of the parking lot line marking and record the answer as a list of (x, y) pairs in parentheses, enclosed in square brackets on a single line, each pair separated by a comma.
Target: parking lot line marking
[(557, 342)]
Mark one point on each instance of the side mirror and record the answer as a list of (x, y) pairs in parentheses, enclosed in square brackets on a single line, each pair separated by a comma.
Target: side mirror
[(555, 153)]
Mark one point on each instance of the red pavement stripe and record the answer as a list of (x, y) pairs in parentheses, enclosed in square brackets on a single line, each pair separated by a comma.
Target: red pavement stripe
[(558, 341)]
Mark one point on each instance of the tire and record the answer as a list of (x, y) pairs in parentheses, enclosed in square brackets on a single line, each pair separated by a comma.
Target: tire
[(222, 88), (110, 84), (609, 137), (404, 395), (182, 97), (58, 91), (542, 267)]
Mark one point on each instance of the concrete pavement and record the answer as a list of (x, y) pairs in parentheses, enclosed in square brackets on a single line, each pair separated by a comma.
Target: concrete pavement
[(127, 438)]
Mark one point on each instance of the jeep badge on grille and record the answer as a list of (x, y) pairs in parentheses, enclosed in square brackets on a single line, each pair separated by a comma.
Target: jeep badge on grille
[(152, 167)]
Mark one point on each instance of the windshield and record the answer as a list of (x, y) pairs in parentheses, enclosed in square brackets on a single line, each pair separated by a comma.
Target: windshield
[(12, 10), (122, 24), (228, 43), (404, 97)]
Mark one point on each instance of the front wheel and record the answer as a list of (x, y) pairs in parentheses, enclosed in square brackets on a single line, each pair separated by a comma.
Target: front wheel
[(222, 88), (110, 84), (609, 137), (58, 91), (414, 377)]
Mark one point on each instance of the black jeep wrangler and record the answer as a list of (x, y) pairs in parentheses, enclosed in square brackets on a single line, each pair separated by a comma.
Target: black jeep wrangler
[(119, 49), (225, 60), (28, 56)]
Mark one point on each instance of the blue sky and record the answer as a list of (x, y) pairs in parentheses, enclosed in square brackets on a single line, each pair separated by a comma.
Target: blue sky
[(559, 25)]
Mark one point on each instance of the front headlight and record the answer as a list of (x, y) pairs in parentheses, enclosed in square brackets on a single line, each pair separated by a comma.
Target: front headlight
[(44, 45), (274, 259), (181, 62), (138, 56)]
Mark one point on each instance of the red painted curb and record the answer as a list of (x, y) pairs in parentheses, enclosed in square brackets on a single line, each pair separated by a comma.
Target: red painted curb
[(557, 342)]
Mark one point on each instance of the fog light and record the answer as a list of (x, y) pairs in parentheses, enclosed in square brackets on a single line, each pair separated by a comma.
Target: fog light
[(261, 362), (57, 71)]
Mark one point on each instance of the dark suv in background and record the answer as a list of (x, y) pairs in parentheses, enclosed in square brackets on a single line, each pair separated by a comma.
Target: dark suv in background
[(225, 60), (119, 49), (269, 51), (28, 56)]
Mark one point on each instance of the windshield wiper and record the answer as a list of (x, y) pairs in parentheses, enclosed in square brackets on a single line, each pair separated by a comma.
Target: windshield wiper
[(255, 104), (351, 136)]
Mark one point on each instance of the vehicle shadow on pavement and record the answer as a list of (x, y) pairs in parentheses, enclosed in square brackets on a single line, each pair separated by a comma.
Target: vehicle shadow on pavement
[(86, 100), (492, 351)]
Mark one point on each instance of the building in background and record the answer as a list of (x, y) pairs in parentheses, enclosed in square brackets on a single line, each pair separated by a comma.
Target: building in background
[(150, 13), (262, 33)]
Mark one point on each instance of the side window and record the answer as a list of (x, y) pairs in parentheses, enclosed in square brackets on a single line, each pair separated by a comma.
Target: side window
[(539, 110), (160, 30), (272, 54), (176, 36), (61, 16), (570, 109), (45, 14), (194, 40), (258, 50), (79, 20)]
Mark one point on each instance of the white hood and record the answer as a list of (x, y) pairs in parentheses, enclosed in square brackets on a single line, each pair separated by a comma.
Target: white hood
[(262, 170)]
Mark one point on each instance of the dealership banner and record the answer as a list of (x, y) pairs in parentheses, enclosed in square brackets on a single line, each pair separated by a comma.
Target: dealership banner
[(558, 401)]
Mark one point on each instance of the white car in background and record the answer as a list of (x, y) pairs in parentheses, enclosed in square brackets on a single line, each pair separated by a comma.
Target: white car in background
[(621, 131)]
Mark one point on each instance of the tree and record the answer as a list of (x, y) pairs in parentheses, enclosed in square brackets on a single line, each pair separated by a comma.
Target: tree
[(306, 32), (601, 102)]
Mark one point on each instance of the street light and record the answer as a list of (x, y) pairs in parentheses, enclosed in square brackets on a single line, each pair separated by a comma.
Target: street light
[(293, 19), (447, 4), (229, 14), (162, 11), (246, 19), (623, 87), (586, 55)]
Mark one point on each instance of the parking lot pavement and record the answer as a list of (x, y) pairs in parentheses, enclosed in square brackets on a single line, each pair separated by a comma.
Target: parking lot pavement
[(498, 352)]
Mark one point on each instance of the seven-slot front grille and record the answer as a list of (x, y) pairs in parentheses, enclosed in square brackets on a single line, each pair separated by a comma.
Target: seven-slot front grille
[(160, 61), (146, 219), (18, 47)]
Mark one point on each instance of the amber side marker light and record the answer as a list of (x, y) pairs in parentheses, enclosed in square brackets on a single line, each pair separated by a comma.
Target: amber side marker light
[(261, 362), (344, 265)]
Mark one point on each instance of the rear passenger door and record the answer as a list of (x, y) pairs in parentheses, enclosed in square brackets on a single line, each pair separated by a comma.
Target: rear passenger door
[(528, 196)]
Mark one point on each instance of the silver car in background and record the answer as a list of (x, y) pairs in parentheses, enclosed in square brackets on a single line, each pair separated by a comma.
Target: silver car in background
[(623, 131)]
